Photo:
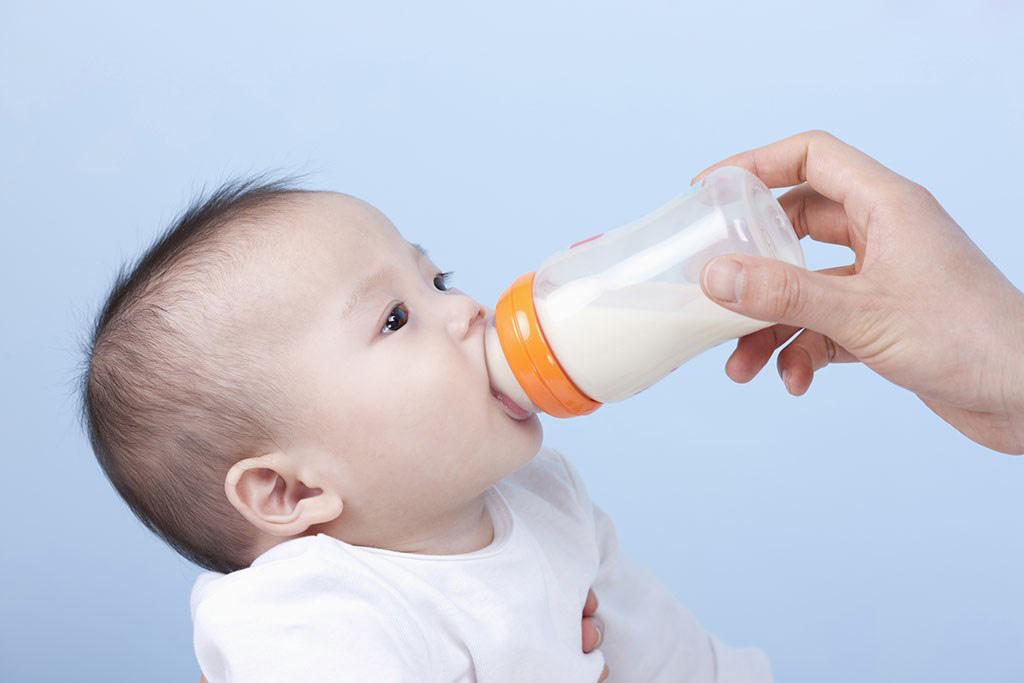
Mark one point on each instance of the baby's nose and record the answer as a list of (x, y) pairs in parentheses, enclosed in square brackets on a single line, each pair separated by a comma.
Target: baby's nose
[(465, 314)]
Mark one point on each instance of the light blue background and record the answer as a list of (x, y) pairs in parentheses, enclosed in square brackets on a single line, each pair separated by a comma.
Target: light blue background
[(851, 533)]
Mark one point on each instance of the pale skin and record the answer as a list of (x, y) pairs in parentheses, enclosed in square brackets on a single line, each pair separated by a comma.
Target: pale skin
[(398, 435), (920, 305)]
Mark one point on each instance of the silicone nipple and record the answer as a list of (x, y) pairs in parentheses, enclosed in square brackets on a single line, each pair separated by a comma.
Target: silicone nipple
[(503, 381)]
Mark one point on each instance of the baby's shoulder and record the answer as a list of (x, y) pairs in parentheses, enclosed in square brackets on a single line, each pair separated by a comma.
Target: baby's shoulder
[(295, 574), (299, 613)]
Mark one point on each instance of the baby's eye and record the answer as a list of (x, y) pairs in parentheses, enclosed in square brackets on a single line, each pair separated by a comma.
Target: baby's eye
[(399, 315), (443, 280), (396, 320)]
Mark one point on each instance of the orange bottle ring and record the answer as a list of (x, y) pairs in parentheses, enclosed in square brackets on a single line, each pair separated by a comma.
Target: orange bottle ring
[(530, 357)]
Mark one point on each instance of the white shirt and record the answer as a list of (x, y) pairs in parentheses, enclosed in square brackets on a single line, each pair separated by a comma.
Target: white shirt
[(319, 609)]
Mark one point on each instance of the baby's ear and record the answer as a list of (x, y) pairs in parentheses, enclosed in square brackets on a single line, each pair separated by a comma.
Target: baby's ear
[(270, 492)]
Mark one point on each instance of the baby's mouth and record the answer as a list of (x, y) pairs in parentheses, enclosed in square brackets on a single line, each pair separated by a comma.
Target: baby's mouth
[(513, 410)]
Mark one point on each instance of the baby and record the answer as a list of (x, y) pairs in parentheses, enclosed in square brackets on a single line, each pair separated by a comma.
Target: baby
[(292, 396)]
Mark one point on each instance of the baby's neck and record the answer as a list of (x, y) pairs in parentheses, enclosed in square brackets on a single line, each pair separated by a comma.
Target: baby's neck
[(471, 531), (459, 531)]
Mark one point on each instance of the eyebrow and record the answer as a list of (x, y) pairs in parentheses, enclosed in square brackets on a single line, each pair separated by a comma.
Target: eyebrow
[(373, 282)]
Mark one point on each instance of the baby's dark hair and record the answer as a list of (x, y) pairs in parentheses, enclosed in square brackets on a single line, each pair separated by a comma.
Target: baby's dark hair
[(170, 398)]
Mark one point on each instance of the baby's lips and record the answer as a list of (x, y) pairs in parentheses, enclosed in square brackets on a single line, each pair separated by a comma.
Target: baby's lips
[(513, 409)]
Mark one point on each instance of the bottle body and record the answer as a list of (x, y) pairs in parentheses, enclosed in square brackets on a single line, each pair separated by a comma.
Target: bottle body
[(609, 351), (620, 310)]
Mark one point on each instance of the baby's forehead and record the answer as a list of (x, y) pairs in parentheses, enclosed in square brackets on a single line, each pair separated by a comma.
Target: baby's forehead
[(320, 245), (316, 234), (330, 219)]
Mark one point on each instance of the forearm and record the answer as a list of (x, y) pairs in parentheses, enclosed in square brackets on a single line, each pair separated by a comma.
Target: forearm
[(995, 419)]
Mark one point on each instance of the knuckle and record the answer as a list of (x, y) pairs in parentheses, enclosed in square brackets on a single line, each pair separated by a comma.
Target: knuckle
[(799, 217), (784, 296), (921, 193), (830, 350), (819, 135), (895, 192), (798, 353)]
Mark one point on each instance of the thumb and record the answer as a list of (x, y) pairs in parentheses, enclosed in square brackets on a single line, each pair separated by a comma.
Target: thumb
[(779, 292)]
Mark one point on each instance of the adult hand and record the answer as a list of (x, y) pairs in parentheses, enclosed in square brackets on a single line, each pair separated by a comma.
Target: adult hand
[(593, 632), (921, 305), (593, 629)]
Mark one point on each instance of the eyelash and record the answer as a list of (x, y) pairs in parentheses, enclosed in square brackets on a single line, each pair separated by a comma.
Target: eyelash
[(446, 278)]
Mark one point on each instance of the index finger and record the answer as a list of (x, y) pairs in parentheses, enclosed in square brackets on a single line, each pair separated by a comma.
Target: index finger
[(590, 606), (836, 170)]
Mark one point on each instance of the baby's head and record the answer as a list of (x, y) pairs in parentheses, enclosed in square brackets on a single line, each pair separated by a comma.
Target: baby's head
[(283, 362)]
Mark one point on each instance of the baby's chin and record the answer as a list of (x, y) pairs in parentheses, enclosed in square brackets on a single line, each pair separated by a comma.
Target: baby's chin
[(533, 439)]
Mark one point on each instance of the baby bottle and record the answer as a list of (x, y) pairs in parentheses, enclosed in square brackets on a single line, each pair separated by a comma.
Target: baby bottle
[(616, 312)]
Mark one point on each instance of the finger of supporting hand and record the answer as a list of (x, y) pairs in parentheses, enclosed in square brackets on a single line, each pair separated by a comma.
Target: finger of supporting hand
[(593, 633), (590, 606), (804, 356), (753, 351), (815, 215), (835, 169), (780, 292)]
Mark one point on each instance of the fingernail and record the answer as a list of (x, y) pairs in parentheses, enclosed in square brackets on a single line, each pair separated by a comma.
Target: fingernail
[(600, 634), (724, 279)]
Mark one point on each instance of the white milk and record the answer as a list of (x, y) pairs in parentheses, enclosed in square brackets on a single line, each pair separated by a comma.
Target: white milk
[(613, 351)]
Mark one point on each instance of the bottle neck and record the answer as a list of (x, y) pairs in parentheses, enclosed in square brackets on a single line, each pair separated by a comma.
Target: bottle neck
[(531, 359)]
